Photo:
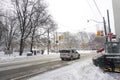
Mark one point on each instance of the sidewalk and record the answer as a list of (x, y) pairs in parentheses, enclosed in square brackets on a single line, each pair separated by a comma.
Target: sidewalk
[(6, 59)]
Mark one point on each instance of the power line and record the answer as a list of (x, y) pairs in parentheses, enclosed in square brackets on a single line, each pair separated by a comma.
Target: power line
[(91, 9), (97, 8)]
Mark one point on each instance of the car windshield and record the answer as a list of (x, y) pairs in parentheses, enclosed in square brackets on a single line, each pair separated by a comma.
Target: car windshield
[(74, 51)]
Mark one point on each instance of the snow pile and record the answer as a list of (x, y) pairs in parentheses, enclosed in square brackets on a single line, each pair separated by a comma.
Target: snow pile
[(15, 56), (86, 51), (5, 58), (8, 58), (50, 53), (78, 71)]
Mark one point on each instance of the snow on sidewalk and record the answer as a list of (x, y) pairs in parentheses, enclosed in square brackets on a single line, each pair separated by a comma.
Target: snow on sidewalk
[(15, 56), (7, 59), (78, 71)]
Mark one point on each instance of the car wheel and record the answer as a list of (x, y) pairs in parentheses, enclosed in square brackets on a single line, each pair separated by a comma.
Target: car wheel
[(62, 59), (78, 56), (71, 58)]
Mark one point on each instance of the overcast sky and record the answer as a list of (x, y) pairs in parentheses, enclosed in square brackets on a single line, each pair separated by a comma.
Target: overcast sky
[(72, 15)]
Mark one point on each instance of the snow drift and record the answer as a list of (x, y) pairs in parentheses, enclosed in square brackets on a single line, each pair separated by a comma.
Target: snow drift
[(84, 70)]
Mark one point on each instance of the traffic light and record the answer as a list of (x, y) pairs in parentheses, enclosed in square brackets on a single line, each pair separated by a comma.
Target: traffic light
[(98, 33), (61, 37), (102, 34)]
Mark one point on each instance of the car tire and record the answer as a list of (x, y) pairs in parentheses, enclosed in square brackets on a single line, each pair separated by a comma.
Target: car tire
[(78, 57), (71, 58), (62, 59)]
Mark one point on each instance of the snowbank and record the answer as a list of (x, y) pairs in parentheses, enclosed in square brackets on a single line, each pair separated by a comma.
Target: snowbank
[(86, 51), (8, 58), (78, 71), (15, 57)]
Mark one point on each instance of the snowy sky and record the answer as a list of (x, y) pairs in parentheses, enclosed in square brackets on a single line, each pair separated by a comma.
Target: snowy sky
[(72, 15)]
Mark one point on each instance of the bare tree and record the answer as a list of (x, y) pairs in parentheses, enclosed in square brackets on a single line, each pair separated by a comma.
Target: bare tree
[(69, 42), (24, 17), (27, 11), (3, 31), (50, 26), (28, 17), (10, 35), (38, 20), (86, 39), (74, 41), (8, 31)]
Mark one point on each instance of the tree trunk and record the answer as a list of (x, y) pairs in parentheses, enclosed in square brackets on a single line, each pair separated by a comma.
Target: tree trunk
[(31, 46), (32, 40), (21, 46), (9, 48), (48, 46)]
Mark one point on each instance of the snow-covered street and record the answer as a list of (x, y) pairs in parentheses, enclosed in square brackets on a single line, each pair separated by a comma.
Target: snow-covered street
[(78, 71), (81, 70), (59, 40)]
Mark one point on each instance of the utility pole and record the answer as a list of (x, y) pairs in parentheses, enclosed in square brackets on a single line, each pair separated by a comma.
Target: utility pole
[(108, 21), (104, 23), (109, 25)]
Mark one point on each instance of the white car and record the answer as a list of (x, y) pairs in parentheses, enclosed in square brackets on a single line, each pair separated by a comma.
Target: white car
[(69, 54)]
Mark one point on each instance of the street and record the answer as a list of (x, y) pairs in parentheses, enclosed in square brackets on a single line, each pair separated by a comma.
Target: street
[(25, 69)]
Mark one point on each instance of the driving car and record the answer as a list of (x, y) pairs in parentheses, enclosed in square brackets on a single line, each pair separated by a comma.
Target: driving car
[(69, 54)]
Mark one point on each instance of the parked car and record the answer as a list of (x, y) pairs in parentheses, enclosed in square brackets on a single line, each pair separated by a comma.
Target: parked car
[(29, 53), (69, 54)]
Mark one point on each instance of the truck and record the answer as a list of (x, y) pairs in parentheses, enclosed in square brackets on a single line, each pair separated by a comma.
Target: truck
[(110, 60)]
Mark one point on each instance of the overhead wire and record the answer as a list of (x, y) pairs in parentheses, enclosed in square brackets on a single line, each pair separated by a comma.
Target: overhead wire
[(97, 8), (91, 8)]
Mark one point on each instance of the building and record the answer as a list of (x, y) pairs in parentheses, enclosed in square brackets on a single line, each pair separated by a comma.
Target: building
[(116, 12)]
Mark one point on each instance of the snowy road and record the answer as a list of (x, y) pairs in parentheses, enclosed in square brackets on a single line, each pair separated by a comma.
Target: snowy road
[(78, 71), (17, 69), (51, 67), (81, 70)]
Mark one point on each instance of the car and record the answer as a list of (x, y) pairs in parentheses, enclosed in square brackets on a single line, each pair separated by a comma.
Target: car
[(69, 54), (29, 53)]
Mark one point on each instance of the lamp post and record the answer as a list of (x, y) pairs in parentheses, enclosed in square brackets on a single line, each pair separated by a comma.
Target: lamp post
[(105, 31), (104, 24), (93, 21)]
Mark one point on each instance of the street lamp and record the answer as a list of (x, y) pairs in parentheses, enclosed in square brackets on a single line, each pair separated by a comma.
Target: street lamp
[(104, 24), (93, 21)]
